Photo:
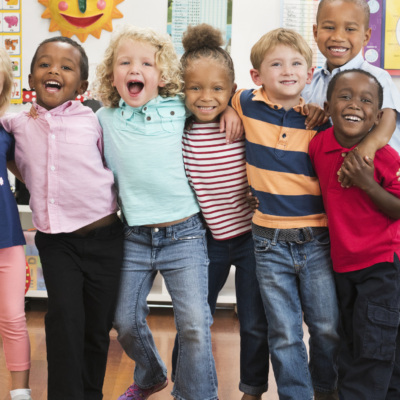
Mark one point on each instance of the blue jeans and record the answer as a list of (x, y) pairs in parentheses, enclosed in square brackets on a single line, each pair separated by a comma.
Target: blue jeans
[(179, 252), (254, 354), (297, 277)]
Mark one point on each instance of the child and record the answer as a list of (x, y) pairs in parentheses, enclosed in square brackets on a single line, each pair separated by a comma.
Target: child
[(341, 32), (217, 174), (139, 82), (290, 226), (73, 202), (12, 260), (364, 222)]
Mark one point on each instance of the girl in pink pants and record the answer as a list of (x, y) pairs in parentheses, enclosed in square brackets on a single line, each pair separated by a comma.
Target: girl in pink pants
[(12, 259)]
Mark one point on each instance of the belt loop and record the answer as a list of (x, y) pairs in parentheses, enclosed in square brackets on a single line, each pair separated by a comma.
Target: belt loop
[(310, 235), (276, 236), (169, 231)]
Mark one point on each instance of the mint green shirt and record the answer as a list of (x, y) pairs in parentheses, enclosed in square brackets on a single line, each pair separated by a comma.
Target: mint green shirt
[(143, 148)]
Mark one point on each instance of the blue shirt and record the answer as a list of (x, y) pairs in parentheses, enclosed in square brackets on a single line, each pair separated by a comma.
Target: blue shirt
[(143, 148), (315, 92), (10, 226)]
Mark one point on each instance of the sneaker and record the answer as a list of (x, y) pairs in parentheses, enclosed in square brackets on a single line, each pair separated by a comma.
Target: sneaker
[(134, 392)]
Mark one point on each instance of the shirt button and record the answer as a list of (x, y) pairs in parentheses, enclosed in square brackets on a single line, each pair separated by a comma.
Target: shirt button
[(156, 230), (53, 168), (47, 115), (172, 113), (148, 118), (52, 201), (284, 135), (53, 136), (144, 108)]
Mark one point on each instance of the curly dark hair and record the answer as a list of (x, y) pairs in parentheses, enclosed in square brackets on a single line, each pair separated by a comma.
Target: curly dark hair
[(205, 41)]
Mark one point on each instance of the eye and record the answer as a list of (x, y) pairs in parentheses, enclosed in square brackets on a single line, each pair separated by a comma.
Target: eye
[(65, 67), (124, 63), (366, 100), (218, 88), (44, 65), (147, 64), (276, 64), (344, 97), (194, 88), (351, 29), (329, 28), (297, 63)]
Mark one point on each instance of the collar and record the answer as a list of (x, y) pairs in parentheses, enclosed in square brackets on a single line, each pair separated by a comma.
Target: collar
[(331, 144), (261, 95), (354, 63), (127, 111), (68, 106)]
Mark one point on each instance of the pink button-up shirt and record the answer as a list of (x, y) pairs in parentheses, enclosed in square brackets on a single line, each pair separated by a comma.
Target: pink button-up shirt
[(60, 157)]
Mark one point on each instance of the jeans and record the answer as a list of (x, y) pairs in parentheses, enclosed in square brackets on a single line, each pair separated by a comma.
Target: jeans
[(179, 252), (297, 278), (254, 354), (82, 278), (369, 302)]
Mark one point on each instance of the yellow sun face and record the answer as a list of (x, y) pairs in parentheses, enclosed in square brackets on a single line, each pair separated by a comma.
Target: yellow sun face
[(81, 17)]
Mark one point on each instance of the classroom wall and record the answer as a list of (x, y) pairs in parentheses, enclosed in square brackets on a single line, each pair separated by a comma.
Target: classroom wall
[(250, 20)]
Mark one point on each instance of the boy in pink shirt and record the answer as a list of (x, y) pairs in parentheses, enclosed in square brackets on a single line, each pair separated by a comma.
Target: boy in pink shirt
[(73, 200)]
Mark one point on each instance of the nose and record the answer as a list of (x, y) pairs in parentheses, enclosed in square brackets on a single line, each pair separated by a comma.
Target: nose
[(205, 95), (54, 70), (338, 35), (287, 69), (134, 68)]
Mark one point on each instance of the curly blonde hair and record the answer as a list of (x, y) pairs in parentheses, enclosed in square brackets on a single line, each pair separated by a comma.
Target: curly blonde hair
[(166, 60), (6, 70)]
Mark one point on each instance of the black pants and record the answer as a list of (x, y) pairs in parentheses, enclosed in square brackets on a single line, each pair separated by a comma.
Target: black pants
[(369, 301), (82, 279)]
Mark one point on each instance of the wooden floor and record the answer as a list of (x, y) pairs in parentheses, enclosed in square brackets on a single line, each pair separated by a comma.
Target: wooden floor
[(225, 339)]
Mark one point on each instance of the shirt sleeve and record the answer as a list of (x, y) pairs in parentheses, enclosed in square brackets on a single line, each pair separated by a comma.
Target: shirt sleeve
[(389, 179)]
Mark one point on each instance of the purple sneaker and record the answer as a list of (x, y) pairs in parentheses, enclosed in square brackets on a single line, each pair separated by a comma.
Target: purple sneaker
[(134, 392)]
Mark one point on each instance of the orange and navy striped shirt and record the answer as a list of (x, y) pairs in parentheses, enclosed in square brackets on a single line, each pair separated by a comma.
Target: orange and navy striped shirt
[(279, 168)]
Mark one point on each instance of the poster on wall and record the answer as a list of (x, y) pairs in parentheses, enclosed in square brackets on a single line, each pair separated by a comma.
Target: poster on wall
[(182, 13), (383, 49), (11, 40)]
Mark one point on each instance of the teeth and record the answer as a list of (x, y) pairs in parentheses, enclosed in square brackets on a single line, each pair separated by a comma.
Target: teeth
[(206, 108), (288, 82), (53, 83), (352, 118), (338, 49)]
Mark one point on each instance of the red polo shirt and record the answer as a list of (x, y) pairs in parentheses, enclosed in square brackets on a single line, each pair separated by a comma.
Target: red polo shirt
[(361, 235)]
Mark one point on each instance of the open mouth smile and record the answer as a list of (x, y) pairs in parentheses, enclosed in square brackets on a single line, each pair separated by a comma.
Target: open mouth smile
[(352, 118), (134, 87), (52, 86)]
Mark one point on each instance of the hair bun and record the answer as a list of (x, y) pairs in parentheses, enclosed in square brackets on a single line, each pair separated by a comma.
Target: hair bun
[(201, 36)]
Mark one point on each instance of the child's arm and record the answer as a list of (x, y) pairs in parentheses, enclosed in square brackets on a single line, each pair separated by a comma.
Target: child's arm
[(14, 170), (316, 116), (374, 141), (231, 123), (361, 172)]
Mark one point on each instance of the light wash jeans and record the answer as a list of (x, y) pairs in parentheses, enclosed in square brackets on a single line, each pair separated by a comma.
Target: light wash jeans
[(179, 252), (297, 277)]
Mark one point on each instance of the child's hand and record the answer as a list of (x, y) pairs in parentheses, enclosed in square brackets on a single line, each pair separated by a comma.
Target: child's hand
[(231, 124), (359, 170), (33, 112), (252, 201), (365, 150), (315, 115)]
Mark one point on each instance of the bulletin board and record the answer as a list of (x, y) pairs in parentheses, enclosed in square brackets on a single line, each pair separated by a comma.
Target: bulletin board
[(11, 40), (383, 49)]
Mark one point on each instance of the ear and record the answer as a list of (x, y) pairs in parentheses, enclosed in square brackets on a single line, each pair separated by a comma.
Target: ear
[(326, 108), (161, 82), (255, 76), (310, 74), (82, 87), (234, 87), (30, 80), (378, 117), (315, 31), (367, 36)]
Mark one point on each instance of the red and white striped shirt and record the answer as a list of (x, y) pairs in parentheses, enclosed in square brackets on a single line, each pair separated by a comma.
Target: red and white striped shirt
[(217, 173)]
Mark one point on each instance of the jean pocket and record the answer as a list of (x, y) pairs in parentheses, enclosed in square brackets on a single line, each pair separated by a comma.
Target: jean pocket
[(261, 245), (379, 342), (190, 233), (323, 238), (127, 231)]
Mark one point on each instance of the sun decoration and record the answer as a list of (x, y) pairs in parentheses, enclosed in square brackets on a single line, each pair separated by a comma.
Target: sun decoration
[(81, 17)]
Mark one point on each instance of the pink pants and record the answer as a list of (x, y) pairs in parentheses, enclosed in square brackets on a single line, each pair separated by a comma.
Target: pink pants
[(12, 308)]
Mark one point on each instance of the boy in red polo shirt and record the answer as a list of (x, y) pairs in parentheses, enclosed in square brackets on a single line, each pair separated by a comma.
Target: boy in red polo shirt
[(364, 225)]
